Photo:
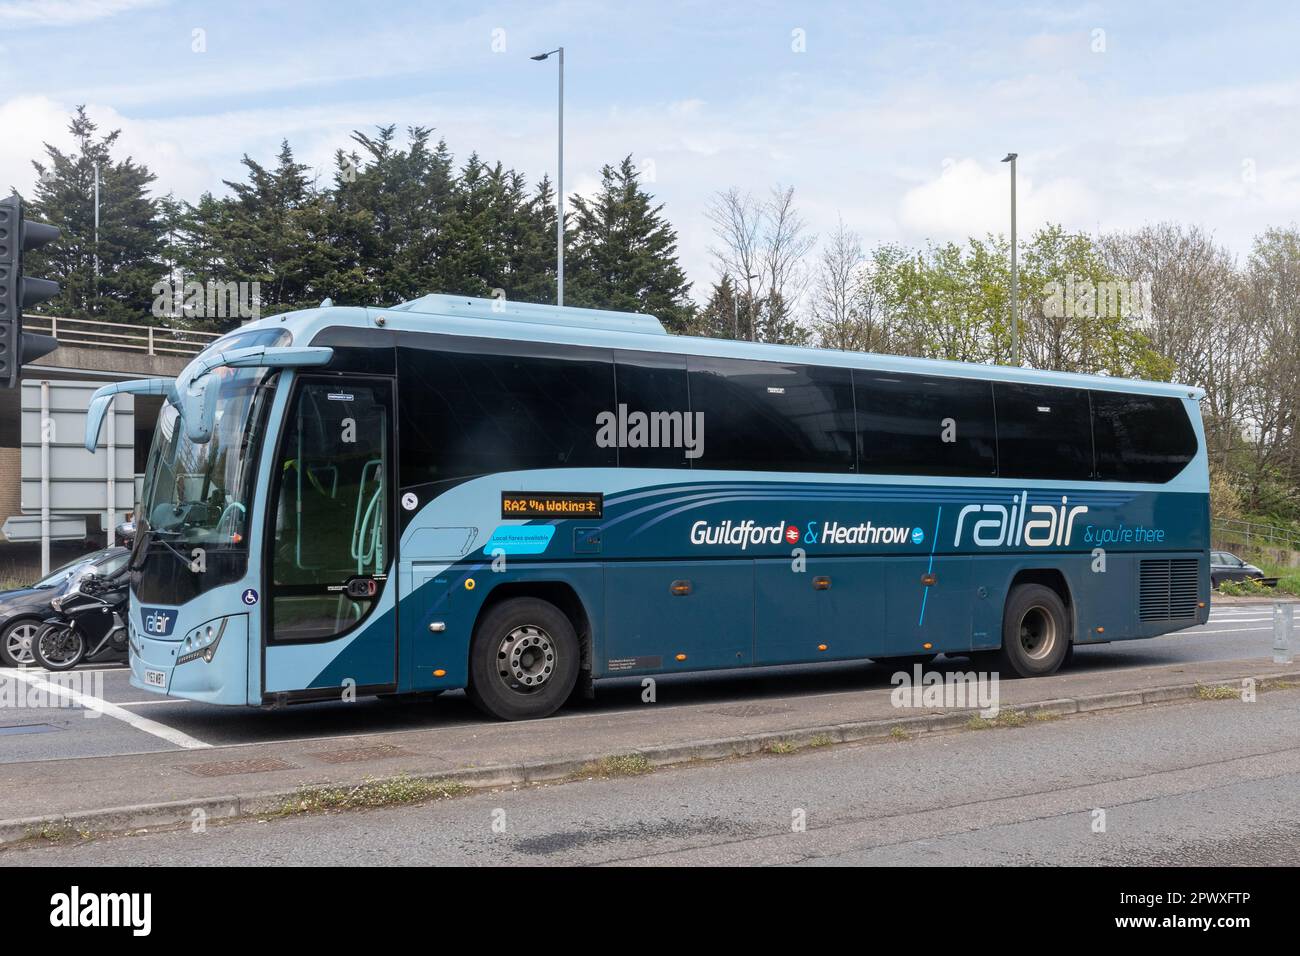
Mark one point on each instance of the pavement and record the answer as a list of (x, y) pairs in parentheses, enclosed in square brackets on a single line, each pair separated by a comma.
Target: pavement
[(125, 791)]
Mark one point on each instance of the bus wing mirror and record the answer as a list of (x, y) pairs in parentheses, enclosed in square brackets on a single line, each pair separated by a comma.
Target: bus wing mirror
[(200, 411), (278, 356), (257, 356), (103, 398), (198, 389)]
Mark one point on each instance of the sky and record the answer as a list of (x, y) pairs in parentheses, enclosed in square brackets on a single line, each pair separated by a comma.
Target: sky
[(890, 116)]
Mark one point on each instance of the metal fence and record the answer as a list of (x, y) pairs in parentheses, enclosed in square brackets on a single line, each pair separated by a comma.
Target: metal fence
[(146, 339), (1251, 535)]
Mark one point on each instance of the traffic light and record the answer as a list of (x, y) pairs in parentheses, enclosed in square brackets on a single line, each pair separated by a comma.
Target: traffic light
[(18, 292)]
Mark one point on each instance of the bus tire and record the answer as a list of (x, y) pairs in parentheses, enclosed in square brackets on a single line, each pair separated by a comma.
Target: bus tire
[(1035, 632), (523, 660)]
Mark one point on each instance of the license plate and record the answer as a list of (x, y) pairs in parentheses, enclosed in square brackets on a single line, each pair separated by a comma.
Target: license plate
[(155, 678)]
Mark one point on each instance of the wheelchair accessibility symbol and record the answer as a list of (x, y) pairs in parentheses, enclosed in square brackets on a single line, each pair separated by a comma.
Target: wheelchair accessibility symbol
[(250, 597)]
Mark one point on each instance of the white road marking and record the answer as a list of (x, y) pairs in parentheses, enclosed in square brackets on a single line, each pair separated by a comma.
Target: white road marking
[(91, 702), (160, 700), (184, 740)]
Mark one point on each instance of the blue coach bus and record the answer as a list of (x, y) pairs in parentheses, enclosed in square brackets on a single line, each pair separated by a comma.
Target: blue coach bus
[(519, 500)]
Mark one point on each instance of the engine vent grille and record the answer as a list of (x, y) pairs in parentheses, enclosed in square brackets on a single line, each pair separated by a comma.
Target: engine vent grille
[(1167, 590)]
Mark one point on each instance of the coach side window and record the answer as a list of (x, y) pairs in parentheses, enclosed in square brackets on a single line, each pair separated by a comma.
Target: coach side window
[(1141, 437), (772, 416), (1043, 432), (652, 418), (919, 425), (528, 406)]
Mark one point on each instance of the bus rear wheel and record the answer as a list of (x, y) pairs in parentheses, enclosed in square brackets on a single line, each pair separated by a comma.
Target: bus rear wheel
[(523, 660), (1035, 632)]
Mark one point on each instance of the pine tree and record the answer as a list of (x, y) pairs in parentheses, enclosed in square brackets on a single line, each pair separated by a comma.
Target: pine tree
[(624, 253), (533, 277), (386, 215), (131, 229), (464, 265), (724, 315), (262, 234)]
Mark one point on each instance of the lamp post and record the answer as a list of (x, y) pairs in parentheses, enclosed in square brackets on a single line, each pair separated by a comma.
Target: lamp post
[(559, 182), (735, 303), (95, 290), (1015, 310)]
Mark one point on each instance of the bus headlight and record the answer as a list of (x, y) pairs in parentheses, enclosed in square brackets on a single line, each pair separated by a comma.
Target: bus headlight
[(202, 642)]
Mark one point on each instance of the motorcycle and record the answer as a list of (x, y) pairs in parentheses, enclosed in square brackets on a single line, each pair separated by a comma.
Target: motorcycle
[(91, 622)]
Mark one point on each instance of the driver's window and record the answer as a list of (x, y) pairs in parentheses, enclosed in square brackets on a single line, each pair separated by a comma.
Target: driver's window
[(332, 507)]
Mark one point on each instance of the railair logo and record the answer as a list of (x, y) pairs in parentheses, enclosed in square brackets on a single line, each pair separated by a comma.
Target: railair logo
[(998, 525), (158, 621)]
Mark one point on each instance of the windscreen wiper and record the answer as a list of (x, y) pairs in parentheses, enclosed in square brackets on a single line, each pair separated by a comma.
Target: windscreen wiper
[(156, 534)]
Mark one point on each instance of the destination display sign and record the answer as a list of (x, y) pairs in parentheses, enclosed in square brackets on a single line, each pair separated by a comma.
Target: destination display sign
[(552, 504)]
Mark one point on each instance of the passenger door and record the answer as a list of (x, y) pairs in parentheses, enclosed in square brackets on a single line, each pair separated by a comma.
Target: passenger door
[(330, 542)]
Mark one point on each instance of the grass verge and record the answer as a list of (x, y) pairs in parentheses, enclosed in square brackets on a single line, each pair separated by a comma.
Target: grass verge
[(397, 791), (618, 765)]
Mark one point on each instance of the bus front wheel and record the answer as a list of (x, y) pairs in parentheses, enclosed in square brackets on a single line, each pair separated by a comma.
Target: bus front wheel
[(1035, 631), (523, 660)]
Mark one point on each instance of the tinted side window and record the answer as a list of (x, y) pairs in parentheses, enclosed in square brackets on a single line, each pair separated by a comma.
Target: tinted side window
[(1043, 432), (772, 416), (464, 411), (919, 425), (653, 410), (1141, 437)]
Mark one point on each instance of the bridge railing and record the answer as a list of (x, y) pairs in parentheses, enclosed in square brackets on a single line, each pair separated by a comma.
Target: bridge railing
[(146, 339), (1252, 535)]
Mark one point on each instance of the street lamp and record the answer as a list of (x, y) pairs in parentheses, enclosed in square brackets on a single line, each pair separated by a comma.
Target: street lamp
[(95, 290), (1015, 312), (735, 303), (559, 182)]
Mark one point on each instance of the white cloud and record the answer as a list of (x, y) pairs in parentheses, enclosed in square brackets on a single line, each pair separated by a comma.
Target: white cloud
[(28, 122), (970, 198), (62, 13)]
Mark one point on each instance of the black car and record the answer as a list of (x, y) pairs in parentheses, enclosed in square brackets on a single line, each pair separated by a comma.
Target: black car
[(1225, 566), (22, 610)]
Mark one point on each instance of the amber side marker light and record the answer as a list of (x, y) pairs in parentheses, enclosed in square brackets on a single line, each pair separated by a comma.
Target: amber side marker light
[(1101, 630), (680, 587), (681, 657), (927, 645), (440, 673), (821, 647)]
